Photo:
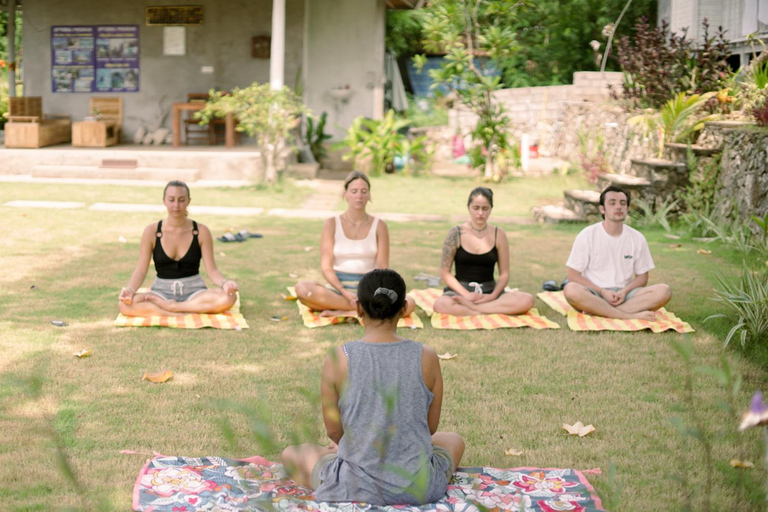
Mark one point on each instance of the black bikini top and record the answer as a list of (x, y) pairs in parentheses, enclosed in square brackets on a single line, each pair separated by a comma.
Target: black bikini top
[(187, 266)]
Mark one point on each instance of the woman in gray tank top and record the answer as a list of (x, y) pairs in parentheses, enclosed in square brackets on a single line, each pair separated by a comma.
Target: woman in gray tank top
[(381, 398)]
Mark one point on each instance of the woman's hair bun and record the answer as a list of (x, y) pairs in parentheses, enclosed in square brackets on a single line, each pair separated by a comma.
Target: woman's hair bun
[(381, 293)]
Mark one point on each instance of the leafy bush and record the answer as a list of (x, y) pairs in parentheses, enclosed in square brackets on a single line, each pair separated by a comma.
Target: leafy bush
[(678, 120), (646, 217), (746, 298), (659, 64), (592, 157), (699, 195), (381, 141), (760, 112), (263, 112), (316, 136)]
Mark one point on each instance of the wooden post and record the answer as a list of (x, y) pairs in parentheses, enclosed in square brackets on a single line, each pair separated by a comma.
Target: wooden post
[(11, 48), (277, 48)]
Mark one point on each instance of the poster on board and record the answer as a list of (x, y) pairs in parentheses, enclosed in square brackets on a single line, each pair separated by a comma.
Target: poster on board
[(102, 58)]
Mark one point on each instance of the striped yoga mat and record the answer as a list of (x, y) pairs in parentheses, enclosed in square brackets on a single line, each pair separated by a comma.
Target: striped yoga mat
[(312, 319), (583, 322), (426, 298), (232, 319)]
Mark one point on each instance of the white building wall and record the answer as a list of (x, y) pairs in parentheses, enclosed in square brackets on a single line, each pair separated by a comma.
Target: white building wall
[(223, 42), (345, 45)]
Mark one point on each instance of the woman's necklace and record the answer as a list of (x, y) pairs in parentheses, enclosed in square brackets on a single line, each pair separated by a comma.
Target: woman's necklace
[(479, 236), (355, 225)]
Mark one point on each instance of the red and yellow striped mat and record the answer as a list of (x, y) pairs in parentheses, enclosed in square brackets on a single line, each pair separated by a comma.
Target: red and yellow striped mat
[(232, 319), (666, 320), (426, 298), (312, 319)]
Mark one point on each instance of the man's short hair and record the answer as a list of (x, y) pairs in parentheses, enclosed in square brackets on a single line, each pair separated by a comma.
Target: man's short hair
[(613, 188)]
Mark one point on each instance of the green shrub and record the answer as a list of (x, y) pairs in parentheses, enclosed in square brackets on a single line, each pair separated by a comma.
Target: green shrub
[(746, 299)]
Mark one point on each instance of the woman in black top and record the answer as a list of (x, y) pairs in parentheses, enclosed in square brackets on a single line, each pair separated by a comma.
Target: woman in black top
[(476, 248), (177, 244)]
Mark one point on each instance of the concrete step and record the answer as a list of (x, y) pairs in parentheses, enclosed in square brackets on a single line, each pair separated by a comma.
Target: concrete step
[(553, 214), (631, 183), (663, 174), (94, 172), (678, 152), (584, 203)]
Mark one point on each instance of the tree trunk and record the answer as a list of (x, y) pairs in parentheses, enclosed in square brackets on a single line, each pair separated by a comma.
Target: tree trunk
[(270, 171)]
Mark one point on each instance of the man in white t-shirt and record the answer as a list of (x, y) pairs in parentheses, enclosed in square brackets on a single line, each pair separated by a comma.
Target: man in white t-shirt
[(609, 264)]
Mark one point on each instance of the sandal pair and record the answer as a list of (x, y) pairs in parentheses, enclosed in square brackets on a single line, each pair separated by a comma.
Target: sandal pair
[(553, 286)]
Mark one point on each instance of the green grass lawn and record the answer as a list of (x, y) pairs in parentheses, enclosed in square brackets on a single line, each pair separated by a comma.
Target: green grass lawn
[(507, 388)]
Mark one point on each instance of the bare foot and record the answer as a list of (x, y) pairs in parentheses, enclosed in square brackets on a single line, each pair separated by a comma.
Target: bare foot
[(168, 305), (337, 312), (646, 315)]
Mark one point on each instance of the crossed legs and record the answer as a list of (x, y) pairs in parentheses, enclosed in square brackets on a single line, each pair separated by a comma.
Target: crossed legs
[(509, 303), (642, 304), (300, 460), (317, 297), (149, 304)]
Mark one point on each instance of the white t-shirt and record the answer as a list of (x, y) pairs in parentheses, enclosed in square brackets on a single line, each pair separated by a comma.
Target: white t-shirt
[(608, 261)]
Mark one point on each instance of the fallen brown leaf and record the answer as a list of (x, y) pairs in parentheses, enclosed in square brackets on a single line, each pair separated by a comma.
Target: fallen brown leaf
[(447, 355), (676, 246), (513, 452), (308, 248), (288, 297), (293, 276), (82, 353), (578, 429), (671, 236), (158, 377), (704, 252), (745, 464)]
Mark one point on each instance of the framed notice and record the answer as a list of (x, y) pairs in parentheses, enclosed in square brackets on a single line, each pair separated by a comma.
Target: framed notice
[(102, 58), (175, 15), (174, 40)]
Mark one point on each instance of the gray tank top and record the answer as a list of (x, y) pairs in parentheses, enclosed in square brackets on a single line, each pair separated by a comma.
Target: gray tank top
[(386, 441)]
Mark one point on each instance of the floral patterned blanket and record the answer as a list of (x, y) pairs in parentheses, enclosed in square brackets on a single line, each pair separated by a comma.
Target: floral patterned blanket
[(185, 484)]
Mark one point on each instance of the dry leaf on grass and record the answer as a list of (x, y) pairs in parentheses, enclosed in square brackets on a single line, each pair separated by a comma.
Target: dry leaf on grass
[(671, 236), (288, 297), (704, 252), (578, 429), (122, 239), (82, 353), (276, 318), (447, 355), (293, 276), (676, 246), (513, 452), (158, 377), (308, 248), (736, 463)]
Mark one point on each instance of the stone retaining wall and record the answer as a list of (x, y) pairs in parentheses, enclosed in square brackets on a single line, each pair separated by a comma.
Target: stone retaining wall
[(743, 180), (595, 121)]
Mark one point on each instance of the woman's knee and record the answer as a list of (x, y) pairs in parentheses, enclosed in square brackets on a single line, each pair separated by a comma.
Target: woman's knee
[(442, 304), (124, 308), (525, 300), (303, 289)]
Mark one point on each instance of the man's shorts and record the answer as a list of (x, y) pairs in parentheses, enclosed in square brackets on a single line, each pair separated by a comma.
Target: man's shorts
[(439, 451), (615, 290)]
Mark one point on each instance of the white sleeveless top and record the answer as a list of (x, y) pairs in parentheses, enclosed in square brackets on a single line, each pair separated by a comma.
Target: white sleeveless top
[(354, 256)]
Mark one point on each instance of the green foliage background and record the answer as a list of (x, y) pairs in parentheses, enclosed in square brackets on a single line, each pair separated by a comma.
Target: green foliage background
[(552, 36)]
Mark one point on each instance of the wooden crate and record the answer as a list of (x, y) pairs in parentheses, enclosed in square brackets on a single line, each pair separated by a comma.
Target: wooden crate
[(98, 134), (46, 132)]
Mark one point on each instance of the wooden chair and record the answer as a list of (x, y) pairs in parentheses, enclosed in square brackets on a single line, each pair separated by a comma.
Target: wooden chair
[(27, 127), (193, 130), (103, 131)]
